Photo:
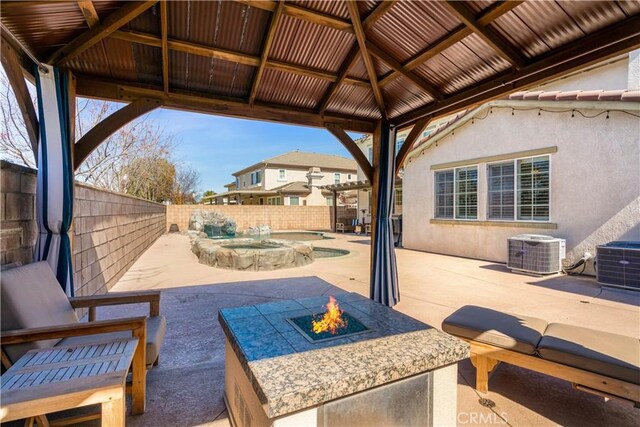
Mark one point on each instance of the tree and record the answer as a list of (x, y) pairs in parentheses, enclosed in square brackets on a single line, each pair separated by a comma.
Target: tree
[(14, 141), (149, 178), (185, 185)]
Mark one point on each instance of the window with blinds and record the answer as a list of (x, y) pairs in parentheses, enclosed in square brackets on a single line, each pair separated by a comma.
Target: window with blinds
[(501, 198), (467, 193), (533, 189), (444, 194)]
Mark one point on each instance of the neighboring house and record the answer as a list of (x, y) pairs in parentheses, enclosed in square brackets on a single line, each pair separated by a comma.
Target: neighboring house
[(293, 178), (563, 160)]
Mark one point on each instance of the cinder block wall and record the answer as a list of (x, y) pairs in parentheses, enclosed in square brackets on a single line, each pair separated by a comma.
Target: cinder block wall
[(18, 230), (111, 231), (276, 217)]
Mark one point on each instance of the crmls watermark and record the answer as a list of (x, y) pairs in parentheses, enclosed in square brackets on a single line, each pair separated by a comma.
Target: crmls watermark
[(479, 418)]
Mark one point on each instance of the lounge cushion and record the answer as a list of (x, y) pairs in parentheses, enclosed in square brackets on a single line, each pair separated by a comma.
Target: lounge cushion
[(30, 298), (612, 355), (156, 330), (509, 331)]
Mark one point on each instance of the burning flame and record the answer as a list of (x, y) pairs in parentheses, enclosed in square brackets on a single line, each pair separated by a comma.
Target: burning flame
[(332, 319)]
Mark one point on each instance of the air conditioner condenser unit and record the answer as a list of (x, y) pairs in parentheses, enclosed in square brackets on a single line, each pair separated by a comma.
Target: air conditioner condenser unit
[(534, 253)]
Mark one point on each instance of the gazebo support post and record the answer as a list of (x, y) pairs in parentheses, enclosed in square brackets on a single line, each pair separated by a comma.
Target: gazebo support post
[(384, 277)]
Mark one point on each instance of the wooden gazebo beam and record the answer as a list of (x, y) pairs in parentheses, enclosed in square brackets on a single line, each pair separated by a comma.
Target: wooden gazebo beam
[(368, 62), (266, 47), (407, 145), (11, 65), (113, 90), (103, 130), (352, 148), (89, 38), (599, 46), (377, 13), (342, 75), (395, 65), (490, 14), (231, 56), (89, 12), (462, 12), (164, 30), (302, 13)]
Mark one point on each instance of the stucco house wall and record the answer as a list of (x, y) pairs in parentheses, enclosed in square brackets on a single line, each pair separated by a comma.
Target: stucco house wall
[(594, 182)]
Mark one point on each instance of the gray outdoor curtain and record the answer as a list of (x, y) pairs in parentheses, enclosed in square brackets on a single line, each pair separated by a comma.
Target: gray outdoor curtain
[(55, 175), (384, 280)]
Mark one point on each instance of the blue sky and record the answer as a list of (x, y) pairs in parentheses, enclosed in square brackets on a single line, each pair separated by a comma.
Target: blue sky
[(217, 146)]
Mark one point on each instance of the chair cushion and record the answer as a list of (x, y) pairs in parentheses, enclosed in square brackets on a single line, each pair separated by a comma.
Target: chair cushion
[(509, 331), (156, 330), (31, 297), (612, 355)]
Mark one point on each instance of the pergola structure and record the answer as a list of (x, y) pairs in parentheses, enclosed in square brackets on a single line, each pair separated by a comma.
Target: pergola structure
[(364, 66)]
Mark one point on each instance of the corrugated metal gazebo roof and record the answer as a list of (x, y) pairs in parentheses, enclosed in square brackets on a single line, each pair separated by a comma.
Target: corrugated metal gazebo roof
[(313, 62)]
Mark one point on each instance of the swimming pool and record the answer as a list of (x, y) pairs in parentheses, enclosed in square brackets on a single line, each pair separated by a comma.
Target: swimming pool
[(328, 252)]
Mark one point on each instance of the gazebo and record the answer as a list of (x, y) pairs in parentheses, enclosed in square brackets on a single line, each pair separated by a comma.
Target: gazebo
[(364, 66)]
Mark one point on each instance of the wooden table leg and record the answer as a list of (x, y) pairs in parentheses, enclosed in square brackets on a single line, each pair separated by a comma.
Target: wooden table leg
[(113, 412), (139, 373)]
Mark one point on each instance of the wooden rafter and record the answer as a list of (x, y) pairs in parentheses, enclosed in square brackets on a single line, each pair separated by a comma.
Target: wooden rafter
[(11, 65), (89, 38), (342, 74), (164, 30), (377, 13), (408, 143), (100, 132), (266, 47), (351, 57), (596, 47), (352, 148), (302, 13), (462, 12), (448, 40), (234, 107), (231, 56), (89, 12), (394, 64), (368, 62)]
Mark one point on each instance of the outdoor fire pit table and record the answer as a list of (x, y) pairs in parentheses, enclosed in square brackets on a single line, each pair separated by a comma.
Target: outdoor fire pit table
[(383, 368)]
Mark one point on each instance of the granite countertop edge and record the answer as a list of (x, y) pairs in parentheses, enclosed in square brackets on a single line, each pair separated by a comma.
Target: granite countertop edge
[(303, 397)]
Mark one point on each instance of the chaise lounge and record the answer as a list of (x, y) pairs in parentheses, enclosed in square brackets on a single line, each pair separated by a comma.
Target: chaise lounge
[(36, 314), (596, 362)]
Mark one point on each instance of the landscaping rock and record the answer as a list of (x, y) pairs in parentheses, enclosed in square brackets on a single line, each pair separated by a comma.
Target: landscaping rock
[(212, 223)]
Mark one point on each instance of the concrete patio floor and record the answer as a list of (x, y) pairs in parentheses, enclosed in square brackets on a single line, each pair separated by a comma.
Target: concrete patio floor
[(187, 387)]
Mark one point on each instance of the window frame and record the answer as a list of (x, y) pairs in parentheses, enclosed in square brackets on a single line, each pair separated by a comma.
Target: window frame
[(297, 198), (337, 177), (455, 192), (284, 175), (516, 188)]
